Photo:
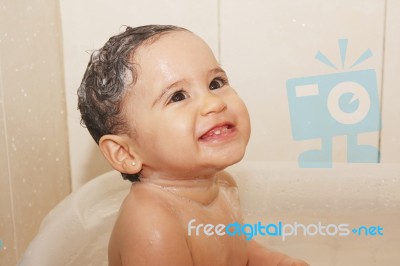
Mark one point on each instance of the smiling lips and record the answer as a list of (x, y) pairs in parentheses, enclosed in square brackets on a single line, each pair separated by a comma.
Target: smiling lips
[(218, 132)]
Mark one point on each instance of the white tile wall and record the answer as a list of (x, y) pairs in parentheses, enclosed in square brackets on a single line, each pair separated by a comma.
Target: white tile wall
[(390, 142), (264, 43), (34, 159)]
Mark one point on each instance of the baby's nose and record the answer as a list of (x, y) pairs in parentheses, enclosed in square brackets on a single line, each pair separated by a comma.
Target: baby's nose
[(212, 103)]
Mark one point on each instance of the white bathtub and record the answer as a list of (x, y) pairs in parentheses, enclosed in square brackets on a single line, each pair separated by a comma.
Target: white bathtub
[(76, 232)]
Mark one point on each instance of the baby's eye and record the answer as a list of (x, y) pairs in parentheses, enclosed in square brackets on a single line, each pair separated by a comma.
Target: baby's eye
[(178, 96), (217, 83)]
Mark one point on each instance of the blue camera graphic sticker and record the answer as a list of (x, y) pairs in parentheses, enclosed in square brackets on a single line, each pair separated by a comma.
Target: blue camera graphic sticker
[(344, 103)]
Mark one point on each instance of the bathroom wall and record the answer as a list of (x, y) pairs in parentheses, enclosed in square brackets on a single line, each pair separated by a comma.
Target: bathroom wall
[(261, 44), (34, 161), (390, 136), (276, 41)]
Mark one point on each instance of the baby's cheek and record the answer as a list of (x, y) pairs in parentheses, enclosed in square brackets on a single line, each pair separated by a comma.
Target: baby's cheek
[(243, 115)]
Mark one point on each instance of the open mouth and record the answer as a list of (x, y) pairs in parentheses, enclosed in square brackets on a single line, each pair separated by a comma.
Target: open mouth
[(217, 132)]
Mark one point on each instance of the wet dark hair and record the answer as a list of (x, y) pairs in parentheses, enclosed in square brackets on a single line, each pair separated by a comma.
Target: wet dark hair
[(108, 75)]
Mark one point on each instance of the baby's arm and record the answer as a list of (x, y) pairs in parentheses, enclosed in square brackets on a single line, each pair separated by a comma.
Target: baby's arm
[(150, 235), (261, 256)]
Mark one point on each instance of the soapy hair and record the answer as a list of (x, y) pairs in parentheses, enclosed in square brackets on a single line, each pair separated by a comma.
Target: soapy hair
[(110, 72)]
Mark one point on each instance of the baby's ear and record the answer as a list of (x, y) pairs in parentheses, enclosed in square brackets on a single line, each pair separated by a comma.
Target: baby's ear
[(119, 154)]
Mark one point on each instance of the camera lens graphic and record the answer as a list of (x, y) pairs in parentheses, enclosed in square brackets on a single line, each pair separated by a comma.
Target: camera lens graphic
[(348, 102), (343, 103)]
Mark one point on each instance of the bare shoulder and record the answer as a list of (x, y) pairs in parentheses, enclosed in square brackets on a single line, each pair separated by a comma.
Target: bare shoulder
[(147, 232), (226, 179)]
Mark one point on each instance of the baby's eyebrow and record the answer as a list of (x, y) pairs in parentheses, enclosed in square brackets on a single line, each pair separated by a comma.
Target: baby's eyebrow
[(164, 91), (217, 70)]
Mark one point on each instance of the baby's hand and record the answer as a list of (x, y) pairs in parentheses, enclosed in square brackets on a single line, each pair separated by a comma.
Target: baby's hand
[(292, 262), (259, 255)]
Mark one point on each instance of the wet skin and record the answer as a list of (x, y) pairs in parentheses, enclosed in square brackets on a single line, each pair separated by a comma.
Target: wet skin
[(188, 124)]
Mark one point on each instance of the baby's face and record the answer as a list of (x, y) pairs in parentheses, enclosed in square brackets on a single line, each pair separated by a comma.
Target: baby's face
[(186, 118)]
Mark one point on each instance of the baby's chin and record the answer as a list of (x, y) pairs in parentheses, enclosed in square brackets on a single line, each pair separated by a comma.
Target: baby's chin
[(227, 153), (230, 160)]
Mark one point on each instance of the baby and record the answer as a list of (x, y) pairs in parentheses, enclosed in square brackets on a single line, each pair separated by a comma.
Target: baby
[(163, 113)]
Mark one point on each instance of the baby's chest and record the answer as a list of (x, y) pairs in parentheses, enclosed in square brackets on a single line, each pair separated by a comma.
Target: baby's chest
[(209, 244), (206, 228), (224, 210)]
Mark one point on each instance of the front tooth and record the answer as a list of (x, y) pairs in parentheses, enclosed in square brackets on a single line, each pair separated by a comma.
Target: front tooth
[(217, 132)]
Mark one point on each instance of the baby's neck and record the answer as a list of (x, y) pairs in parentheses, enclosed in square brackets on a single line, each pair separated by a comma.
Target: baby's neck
[(203, 190)]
